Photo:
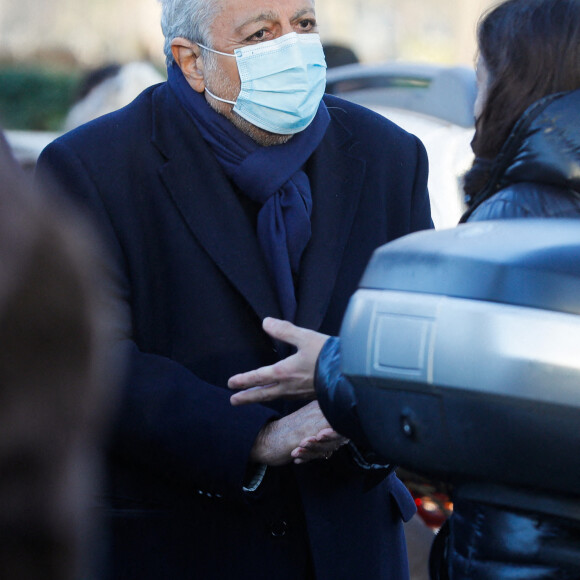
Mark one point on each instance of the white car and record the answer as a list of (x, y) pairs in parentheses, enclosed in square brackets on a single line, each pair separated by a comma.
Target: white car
[(27, 145), (450, 156), (433, 102)]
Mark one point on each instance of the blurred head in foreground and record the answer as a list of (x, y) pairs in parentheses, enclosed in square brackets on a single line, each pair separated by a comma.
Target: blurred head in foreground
[(55, 386)]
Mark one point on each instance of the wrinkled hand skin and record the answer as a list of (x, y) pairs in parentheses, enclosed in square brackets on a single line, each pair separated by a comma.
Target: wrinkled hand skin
[(325, 443), (291, 378), (302, 436)]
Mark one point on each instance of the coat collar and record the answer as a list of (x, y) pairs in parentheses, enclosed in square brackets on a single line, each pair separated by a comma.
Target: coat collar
[(214, 214)]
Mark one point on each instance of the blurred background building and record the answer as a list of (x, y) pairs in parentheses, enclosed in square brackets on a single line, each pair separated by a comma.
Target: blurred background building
[(68, 32)]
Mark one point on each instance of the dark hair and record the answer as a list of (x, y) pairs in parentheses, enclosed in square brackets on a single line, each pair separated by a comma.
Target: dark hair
[(531, 48)]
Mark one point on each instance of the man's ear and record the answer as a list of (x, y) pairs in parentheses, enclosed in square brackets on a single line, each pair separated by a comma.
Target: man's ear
[(187, 55)]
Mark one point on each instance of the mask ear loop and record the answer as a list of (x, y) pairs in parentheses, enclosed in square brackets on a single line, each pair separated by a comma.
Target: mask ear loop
[(205, 88), (216, 51), (218, 98)]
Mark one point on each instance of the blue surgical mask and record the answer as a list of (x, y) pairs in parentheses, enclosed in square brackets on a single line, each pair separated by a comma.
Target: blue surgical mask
[(282, 82)]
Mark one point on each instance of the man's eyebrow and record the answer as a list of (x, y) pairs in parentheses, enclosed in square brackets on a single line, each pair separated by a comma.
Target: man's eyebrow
[(264, 17), (271, 17), (303, 12)]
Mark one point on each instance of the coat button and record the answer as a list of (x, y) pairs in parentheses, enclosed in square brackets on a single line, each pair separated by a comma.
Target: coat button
[(278, 528)]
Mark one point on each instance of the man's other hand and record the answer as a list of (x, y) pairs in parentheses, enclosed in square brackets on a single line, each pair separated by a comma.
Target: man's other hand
[(300, 437), (291, 378)]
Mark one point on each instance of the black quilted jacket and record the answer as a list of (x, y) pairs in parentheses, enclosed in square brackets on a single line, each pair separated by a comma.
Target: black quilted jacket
[(537, 173)]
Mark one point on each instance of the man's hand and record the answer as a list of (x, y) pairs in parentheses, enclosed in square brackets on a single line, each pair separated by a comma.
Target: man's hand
[(318, 445), (300, 437), (291, 378)]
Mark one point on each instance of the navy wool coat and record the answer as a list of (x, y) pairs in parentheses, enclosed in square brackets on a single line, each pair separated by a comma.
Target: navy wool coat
[(192, 286)]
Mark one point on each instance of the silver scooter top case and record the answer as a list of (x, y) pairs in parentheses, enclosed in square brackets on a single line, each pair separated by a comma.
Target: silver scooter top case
[(463, 346)]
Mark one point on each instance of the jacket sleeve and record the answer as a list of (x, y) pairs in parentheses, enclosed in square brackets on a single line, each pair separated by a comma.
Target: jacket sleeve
[(337, 399), (528, 200), (169, 420), (500, 206)]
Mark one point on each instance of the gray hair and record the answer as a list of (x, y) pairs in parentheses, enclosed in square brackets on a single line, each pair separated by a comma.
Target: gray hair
[(191, 19)]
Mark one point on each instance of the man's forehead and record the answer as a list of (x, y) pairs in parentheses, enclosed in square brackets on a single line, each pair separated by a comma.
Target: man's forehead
[(236, 14)]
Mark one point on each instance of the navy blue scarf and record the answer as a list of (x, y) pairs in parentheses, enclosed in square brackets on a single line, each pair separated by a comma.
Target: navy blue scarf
[(272, 176)]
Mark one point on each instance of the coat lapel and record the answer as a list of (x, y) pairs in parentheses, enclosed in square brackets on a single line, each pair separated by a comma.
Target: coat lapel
[(336, 179), (217, 220), (209, 206)]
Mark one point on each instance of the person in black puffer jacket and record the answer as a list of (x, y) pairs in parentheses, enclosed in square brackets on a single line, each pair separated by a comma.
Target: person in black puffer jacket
[(537, 173), (527, 164), (527, 139)]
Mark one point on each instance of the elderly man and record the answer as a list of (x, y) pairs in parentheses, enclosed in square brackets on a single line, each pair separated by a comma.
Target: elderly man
[(233, 192)]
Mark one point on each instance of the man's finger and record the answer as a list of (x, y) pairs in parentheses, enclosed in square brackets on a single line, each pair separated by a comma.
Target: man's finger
[(328, 435), (281, 330), (256, 395), (257, 378)]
